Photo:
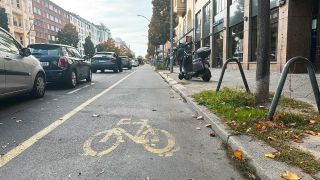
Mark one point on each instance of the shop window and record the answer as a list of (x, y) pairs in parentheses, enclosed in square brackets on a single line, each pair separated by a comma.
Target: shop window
[(273, 36), (218, 49), (206, 25), (198, 27), (236, 42)]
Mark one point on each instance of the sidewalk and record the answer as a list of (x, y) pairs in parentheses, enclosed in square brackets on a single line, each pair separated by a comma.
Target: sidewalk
[(297, 86)]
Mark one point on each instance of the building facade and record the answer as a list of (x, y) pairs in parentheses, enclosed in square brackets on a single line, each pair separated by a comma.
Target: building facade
[(229, 27), (49, 19), (20, 19), (185, 16)]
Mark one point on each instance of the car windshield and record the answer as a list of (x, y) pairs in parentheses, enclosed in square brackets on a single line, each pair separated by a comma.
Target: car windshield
[(44, 50)]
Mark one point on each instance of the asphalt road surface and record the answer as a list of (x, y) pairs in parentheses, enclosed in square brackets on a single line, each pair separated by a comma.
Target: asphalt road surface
[(121, 126)]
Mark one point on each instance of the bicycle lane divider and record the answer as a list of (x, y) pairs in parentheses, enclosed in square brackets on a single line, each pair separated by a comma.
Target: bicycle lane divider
[(6, 158)]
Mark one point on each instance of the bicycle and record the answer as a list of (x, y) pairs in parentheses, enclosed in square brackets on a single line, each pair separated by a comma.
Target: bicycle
[(146, 135)]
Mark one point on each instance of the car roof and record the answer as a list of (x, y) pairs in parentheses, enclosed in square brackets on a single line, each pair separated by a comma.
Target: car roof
[(60, 45)]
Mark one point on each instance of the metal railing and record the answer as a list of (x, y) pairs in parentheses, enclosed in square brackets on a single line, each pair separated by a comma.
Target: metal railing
[(241, 72), (283, 77)]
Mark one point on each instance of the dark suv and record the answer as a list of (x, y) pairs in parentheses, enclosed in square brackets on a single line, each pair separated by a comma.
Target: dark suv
[(62, 63), (126, 62), (106, 60)]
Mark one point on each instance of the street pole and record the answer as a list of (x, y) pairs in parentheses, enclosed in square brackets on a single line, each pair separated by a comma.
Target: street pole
[(171, 36)]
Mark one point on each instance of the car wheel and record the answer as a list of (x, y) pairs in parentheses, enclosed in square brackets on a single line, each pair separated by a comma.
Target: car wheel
[(73, 79), (89, 77), (94, 70), (39, 86), (206, 76), (102, 70), (115, 70), (130, 67)]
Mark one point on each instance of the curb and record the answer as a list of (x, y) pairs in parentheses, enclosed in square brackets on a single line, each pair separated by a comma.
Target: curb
[(253, 150)]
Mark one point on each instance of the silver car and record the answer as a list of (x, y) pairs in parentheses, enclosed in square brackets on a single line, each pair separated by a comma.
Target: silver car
[(19, 71)]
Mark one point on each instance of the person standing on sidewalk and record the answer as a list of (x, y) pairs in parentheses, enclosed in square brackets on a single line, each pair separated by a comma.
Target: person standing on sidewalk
[(180, 56)]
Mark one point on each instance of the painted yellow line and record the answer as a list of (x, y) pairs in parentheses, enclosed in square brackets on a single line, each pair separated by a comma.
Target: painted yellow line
[(35, 138)]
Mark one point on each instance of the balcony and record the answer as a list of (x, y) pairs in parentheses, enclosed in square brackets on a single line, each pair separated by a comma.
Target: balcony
[(180, 7)]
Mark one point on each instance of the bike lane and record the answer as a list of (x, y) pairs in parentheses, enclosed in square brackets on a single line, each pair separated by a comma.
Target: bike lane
[(138, 129)]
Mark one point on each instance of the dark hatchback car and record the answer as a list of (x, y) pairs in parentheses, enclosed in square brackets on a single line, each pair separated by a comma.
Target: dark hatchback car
[(126, 62), (62, 64), (106, 61)]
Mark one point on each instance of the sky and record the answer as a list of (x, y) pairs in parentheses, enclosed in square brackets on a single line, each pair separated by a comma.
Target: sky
[(120, 16)]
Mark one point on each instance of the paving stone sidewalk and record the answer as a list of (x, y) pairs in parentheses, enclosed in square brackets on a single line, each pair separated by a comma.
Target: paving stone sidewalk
[(297, 86)]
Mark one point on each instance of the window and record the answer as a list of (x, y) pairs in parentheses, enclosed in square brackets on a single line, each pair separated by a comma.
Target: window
[(198, 30), (236, 41), (273, 36), (18, 3), (206, 25), (218, 49), (8, 44), (219, 6)]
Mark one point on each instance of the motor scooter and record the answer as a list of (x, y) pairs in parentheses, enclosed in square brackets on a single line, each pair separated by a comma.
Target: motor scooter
[(198, 67)]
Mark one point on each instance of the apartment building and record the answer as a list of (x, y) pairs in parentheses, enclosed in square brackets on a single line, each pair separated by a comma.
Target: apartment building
[(20, 19), (49, 19)]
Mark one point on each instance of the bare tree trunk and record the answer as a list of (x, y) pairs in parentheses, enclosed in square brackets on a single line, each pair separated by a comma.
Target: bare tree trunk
[(263, 51)]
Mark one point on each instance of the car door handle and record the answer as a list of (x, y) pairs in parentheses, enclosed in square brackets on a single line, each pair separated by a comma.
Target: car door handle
[(7, 58)]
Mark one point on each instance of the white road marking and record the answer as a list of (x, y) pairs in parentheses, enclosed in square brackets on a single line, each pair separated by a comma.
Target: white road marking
[(76, 90)]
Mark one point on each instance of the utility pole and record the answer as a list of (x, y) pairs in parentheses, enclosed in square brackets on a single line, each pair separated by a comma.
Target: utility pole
[(171, 36)]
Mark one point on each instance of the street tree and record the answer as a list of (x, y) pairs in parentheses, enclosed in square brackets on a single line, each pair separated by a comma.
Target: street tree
[(108, 45), (4, 19), (68, 35), (263, 51), (88, 46), (159, 27)]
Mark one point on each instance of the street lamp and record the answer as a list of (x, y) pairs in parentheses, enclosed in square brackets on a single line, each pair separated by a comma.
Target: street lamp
[(144, 17)]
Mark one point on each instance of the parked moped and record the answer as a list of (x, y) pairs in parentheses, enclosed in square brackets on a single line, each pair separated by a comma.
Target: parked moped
[(198, 67)]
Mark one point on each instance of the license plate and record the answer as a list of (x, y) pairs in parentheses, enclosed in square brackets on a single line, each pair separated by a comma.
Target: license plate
[(102, 61), (44, 64)]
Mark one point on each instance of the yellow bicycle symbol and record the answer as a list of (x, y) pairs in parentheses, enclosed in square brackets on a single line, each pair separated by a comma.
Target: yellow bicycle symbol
[(147, 136)]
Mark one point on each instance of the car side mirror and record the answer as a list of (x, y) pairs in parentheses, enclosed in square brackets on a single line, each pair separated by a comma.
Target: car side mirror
[(25, 52)]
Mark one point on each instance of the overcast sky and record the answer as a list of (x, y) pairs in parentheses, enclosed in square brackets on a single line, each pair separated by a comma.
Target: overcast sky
[(118, 15)]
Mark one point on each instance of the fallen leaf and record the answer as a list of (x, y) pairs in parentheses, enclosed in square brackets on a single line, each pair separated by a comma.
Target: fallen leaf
[(270, 155), (238, 154), (258, 126), (209, 125), (198, 128), (194, 116), (290, 176), (311, 133), (146, 178), (200, 118), (272, 138), (18, 121), (312, 122), (298, 141), (96, 115), (154, 110)]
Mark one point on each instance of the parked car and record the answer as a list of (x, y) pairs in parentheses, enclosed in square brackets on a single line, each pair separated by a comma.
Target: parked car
[(126, 63), (106, 60), (62, 63), (19, 71), (134, 62)]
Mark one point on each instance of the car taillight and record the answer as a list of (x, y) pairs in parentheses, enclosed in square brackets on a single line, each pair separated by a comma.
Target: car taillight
[(62, 62)]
